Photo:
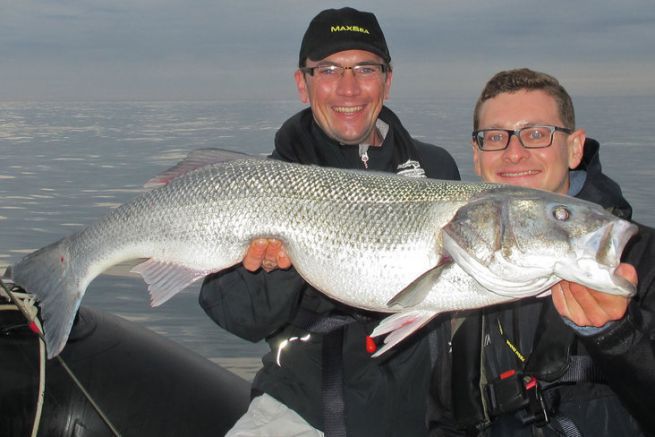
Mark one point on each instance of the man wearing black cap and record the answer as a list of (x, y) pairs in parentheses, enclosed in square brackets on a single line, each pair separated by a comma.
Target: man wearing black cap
[(319, 376)]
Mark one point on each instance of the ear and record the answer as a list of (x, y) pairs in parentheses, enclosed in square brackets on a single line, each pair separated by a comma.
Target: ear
[(301, 86), (575, 145), (476, 158)]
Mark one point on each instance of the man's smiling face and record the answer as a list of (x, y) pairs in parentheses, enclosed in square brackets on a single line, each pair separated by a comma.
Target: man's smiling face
[(544, 168), (348, 107)]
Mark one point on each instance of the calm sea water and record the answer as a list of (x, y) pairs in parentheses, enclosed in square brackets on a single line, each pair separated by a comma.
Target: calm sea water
[(64, 165)]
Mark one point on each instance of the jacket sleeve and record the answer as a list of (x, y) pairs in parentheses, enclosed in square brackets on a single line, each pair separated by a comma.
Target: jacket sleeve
[(250, 305), (626, 352)]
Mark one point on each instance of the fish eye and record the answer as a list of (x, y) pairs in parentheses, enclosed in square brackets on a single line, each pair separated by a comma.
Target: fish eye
[(561, 213)]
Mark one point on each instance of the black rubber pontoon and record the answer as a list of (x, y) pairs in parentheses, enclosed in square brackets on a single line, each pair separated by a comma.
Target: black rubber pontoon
[(145, 384)]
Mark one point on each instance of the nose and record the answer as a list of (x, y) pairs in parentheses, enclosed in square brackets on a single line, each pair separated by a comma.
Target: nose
[(348, 84), (515, 151)]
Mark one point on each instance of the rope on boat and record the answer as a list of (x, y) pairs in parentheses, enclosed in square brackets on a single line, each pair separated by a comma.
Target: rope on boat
[(25, 304), (28, 306)]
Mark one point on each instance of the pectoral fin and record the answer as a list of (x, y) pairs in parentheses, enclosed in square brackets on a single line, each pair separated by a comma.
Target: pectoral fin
[(416, 292)]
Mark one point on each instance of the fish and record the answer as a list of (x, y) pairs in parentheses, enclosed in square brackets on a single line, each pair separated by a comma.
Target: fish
[(410, 247)]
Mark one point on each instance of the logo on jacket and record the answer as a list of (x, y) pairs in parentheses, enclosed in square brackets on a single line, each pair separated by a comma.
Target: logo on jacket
[(411, 169)]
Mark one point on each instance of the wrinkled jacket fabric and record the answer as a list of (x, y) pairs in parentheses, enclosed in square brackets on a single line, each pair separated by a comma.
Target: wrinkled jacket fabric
[(384, 396), (623, 352)]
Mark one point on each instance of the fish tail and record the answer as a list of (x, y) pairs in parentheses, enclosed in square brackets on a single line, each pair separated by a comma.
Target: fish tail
[(47, 275)]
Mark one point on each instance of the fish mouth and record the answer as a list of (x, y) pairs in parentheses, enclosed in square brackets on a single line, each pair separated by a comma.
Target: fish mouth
[(620, 234), (613, 242), (601, 255)]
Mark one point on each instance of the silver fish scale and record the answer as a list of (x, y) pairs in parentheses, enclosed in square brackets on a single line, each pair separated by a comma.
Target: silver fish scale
[(330, 220)]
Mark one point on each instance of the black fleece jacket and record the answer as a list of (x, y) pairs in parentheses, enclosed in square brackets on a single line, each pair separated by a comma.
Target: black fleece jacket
[(384, 396), (621, 403)]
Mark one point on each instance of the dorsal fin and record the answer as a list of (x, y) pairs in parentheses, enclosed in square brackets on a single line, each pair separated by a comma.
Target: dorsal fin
[(196, 159)]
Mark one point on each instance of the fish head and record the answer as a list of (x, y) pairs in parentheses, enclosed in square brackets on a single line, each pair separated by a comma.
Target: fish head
[(519, 242)]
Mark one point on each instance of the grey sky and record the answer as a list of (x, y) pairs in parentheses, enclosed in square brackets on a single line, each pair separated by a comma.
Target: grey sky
[(204, 49)]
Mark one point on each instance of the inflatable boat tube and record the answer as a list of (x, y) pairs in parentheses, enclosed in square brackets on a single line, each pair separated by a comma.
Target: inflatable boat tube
[(138, 383)]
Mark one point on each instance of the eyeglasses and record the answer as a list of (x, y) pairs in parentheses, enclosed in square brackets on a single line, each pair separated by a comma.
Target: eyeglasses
[(331, 72), (530, 137)]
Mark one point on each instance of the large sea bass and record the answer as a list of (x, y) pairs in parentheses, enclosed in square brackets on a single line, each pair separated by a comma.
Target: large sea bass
[(378, 242)]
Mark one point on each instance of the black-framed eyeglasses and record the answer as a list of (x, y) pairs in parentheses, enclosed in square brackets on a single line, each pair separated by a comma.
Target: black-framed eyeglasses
[(332, 72), (530, 137)]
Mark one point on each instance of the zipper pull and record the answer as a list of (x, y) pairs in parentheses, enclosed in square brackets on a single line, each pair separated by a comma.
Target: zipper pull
[(363, 148)]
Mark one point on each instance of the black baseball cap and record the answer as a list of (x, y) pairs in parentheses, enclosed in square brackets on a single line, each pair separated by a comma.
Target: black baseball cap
[(336, 30)]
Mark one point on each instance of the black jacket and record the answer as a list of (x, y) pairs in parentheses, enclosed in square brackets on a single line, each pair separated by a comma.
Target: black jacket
[(384, 396), (614, 395)]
